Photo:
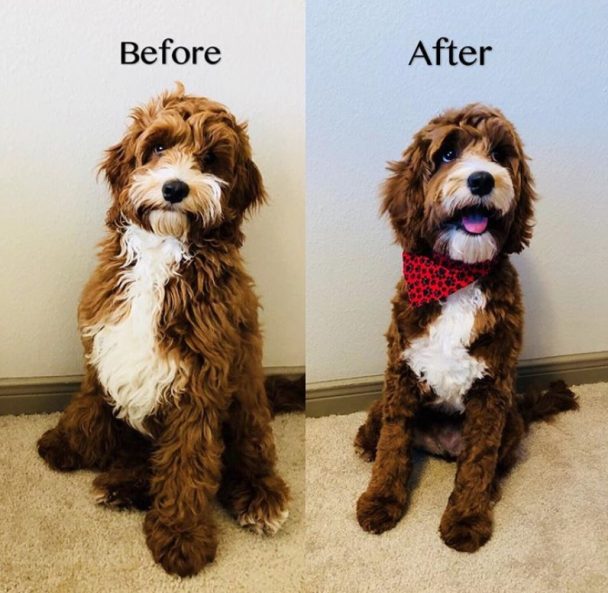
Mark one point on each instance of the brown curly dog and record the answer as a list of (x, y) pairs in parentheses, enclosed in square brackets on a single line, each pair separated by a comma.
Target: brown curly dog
[(173, 407), (460, 201)]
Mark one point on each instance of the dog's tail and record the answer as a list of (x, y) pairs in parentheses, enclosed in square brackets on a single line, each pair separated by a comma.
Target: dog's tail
[(284, 394), (536, 405)]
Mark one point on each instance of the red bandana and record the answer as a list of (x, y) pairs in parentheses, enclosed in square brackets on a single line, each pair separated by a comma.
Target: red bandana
[(437, 277)]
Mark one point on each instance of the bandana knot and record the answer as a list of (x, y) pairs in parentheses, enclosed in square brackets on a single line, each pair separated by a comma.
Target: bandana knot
[(435, 277)]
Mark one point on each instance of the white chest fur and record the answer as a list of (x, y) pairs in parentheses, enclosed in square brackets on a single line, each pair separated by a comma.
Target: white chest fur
[(125, 353), (440, 357)]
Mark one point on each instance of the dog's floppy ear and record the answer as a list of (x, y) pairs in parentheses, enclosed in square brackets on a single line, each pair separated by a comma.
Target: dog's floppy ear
[(120, 159), (248, 188), (520, 232), (403, 196), (117, 164)]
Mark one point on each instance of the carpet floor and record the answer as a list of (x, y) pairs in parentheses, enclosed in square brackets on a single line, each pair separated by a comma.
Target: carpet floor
[(54, 539), (551, 526), (550, 532)]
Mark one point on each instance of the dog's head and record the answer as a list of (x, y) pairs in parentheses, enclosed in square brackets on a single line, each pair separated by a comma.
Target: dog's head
[(462, 188), (183, 168)]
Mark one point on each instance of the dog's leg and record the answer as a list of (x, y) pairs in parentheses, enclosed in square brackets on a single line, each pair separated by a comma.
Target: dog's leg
[(467, 521), (381, 506), (186, 472), (251, 489), (366, 441), (87, 435), (509, 448)]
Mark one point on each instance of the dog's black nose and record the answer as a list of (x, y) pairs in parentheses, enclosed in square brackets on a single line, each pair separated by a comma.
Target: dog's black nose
[(481, 183), (175, 190)]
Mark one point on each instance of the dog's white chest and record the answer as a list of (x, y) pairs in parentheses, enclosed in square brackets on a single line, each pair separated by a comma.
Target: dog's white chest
[(441, 358), (125, 353)]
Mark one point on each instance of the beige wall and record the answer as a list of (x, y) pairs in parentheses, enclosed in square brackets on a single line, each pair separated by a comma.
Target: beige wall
[(65, 98)]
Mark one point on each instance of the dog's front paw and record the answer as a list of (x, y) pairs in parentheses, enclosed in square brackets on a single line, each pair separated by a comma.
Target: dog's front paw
[(465, 532), (378, 514), (261, 505), (121, 489), (54, 449), (182, 549)]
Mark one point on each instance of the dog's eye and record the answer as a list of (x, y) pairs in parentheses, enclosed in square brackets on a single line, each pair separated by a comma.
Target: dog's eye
[(208, 158), (448, 155), (158, 149), (498, 155)]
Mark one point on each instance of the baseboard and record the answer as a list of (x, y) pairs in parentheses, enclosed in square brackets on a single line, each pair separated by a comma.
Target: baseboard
[(39, 395), (352, 395)]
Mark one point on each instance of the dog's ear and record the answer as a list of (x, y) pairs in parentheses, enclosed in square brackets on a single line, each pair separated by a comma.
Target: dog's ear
[(248, 188), (522, 225), (117, 164), (120, 159), (403, 195)]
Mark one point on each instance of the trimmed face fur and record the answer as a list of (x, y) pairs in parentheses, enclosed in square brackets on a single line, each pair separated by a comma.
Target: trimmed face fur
[(183, 169), (462, 188)]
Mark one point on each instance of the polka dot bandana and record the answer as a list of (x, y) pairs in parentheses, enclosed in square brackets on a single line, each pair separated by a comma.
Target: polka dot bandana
[(435, 277)]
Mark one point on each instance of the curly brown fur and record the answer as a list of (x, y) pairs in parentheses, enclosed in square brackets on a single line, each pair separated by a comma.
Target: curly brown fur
[(182, 407), (124, 487), (536, 404), (285, 394), (478, 421)]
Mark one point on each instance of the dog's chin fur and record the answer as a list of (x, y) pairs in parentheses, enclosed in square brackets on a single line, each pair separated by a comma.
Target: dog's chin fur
[(169, 321), (461, 246), (171, 223)]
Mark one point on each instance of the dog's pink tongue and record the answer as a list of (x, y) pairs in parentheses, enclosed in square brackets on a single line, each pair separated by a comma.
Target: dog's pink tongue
[(475, 223)]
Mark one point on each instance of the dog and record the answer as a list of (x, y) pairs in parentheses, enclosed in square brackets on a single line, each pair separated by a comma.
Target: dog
[(460, 201), (173, 408)]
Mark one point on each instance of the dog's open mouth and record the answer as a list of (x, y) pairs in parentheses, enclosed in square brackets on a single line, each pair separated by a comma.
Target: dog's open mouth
[(474, 220)]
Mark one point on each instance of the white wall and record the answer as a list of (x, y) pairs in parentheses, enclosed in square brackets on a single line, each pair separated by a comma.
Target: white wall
[(547, 71), (65, 98)]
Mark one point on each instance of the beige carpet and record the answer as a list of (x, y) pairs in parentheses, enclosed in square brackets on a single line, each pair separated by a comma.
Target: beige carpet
[(551, 527), (53, 539)]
